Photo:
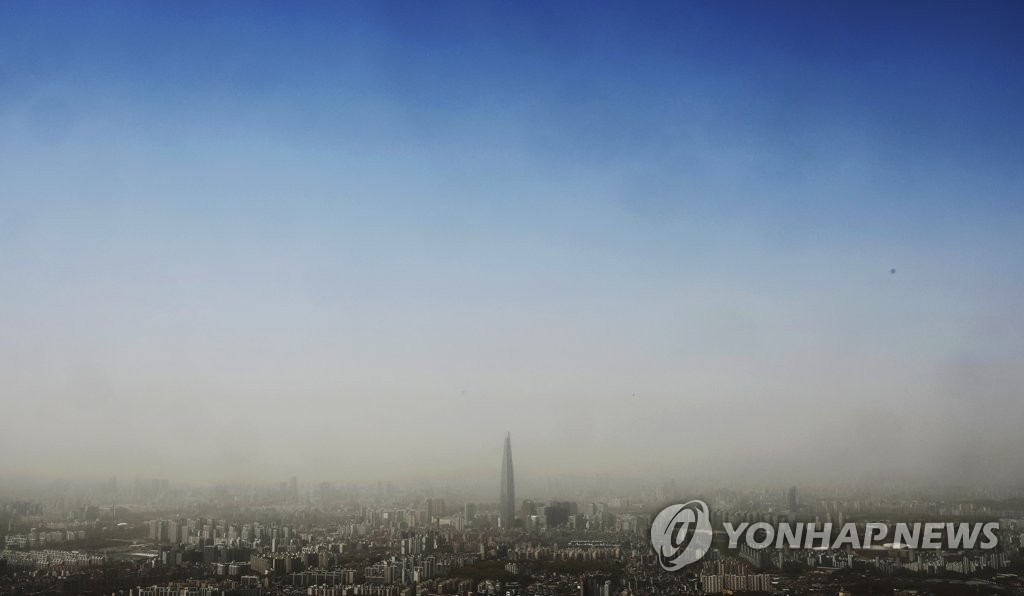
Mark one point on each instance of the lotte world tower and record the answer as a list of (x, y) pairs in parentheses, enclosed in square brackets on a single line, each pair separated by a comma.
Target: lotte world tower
[(508, 487)]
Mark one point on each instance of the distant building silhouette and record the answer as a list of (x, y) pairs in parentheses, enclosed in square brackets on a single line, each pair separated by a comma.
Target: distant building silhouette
[(507, 512), (556, 513), (529, 508)]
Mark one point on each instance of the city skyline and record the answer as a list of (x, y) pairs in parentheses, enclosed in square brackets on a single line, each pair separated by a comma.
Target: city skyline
[(397, 543), (744, 277)]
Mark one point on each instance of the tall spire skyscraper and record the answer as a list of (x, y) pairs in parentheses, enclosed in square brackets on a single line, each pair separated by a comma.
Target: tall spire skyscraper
[(507, 512)]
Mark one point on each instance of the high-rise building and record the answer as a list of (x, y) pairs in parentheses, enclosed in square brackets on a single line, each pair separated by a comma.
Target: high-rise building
[(435, 509), (528, 509), (507, 512), (557, 513)]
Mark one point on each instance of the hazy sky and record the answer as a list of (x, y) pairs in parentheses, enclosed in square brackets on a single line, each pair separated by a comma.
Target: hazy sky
[(362, 241)]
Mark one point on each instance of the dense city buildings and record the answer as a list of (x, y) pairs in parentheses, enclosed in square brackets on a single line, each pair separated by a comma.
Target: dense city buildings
[(384, 540)]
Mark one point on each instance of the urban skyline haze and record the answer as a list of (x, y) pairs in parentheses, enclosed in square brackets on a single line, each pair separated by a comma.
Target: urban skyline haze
[(728, 241)]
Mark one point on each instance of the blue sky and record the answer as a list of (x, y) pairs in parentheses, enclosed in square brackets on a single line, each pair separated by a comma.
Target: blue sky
[(226, 216)]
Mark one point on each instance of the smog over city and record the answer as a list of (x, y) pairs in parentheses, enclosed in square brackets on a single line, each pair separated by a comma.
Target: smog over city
[(298, 268)]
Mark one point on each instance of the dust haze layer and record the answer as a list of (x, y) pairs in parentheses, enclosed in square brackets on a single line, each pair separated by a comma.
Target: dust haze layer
[(363, 242)]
